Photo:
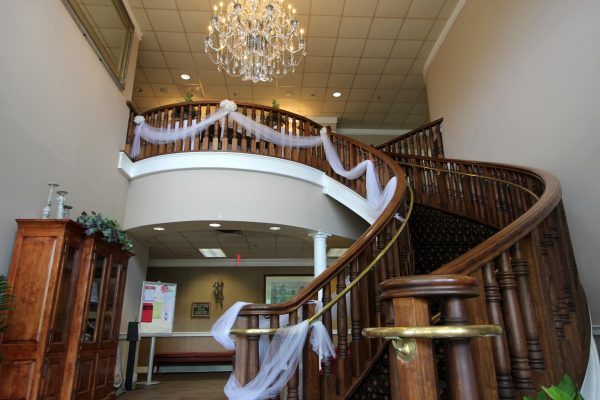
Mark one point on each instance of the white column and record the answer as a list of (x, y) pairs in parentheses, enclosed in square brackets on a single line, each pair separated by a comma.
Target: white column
[(320, 251)]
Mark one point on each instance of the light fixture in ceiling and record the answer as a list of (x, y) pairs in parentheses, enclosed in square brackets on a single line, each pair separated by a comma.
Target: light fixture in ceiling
[(214, 225), (158, 228), (255, 39), (336, 94), (185, 77), (336, 252), (275, 228), (212, 253)]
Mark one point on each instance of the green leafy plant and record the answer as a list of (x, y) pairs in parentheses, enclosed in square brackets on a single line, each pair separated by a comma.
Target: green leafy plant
[(109, 228), (188, 98), (565, 390), (282, 119)]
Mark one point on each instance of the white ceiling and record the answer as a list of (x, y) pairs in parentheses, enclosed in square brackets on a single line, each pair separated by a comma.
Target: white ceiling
[(249, 240), (373, 51)]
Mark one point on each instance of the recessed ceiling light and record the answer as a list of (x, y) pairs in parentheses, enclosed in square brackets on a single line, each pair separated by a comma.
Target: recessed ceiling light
[(214, 225), (212, 253), (185, 77), (275, 228), (158, 228), (336, 94), (336, 252)]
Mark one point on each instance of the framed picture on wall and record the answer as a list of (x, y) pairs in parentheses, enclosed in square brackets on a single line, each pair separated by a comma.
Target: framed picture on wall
[(281, 288), (200, 310)]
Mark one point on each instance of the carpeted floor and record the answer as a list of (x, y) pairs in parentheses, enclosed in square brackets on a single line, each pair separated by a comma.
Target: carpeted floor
[(204, 386)]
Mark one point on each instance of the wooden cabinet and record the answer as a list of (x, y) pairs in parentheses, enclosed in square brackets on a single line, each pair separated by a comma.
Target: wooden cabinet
[(63, 331)]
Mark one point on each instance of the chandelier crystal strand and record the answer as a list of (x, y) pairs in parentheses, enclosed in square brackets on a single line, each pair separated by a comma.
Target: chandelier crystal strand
[(255, 39)]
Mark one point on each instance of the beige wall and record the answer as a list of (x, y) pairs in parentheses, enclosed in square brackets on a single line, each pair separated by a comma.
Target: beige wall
[(517, 81), (233, 195), (63, 118), (196, 285)]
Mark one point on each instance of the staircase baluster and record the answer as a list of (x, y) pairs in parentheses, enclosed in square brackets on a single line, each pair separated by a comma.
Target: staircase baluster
[(328, 385), (343, 364), (521, 271), (506, 388), (514, 322), (310, 363), (462, 382), (253, 354), (357, 347), (292, 386)]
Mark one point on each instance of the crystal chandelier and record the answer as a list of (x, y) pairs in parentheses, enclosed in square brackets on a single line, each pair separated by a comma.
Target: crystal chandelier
[(255, 39)]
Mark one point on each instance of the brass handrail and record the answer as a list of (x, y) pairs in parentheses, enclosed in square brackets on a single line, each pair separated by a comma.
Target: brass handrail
[(432, 332), (403, 337), (270, 331), (473, 176)]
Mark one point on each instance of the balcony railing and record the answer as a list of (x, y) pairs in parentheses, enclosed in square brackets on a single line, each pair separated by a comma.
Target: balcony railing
[(374, 254)]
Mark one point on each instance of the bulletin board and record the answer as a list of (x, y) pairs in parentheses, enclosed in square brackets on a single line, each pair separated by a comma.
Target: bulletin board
[(157, 308)]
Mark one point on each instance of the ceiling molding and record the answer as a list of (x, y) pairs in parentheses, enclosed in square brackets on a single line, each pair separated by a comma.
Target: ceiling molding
[(442, 36), (231, 262)]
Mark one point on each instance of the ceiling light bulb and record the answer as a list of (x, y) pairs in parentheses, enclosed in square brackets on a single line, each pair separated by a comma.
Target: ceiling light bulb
[(275, 228), (185, 77), (336, 94), (158, 228), (214, 225)]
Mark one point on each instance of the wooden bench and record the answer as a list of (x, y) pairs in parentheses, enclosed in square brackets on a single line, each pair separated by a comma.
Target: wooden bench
[(197, 358)]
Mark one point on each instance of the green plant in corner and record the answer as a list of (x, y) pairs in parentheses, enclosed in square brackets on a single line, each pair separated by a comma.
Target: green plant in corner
[(565, 390), (109, 228)]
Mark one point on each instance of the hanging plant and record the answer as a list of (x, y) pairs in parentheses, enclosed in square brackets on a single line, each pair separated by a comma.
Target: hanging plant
[(109, 228)]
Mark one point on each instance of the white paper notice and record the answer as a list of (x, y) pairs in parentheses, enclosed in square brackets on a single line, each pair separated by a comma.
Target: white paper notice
[(149, 292)]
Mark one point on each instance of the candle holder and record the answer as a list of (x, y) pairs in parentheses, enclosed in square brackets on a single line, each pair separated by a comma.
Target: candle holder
[(60, 201), (46, 210), (67, 211)]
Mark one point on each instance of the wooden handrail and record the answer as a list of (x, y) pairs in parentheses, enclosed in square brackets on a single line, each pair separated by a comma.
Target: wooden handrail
[(425, 140), (383, 245), (527, 270)]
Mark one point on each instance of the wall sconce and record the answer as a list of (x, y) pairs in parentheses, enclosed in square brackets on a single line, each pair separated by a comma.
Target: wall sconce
[(218, 292)]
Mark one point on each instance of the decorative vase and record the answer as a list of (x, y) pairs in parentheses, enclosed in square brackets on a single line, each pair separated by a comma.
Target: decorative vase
[(67, 211), (60, 210), (46, 210)]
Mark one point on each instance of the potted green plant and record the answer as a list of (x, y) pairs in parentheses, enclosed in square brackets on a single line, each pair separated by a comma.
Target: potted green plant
[(188, 98), (565, 390), (109, 228), (277, 122)]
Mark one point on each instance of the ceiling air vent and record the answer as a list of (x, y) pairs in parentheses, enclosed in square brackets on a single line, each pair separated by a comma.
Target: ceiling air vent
[(229, 232)]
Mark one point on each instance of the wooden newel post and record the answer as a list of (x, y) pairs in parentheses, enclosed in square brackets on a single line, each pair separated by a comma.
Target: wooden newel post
[(415, 377)]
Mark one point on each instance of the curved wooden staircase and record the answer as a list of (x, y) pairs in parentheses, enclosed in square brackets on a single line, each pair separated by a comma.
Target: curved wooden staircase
[(522, 279)]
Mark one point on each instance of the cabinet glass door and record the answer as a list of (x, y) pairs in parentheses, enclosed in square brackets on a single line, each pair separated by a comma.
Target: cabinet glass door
[(112, 296), (95, 298), (66, 295)]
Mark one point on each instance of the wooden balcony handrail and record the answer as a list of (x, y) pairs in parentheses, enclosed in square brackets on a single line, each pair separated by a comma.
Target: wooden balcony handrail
[(510, 234), (425, 140), (385, 244), (528, 272)]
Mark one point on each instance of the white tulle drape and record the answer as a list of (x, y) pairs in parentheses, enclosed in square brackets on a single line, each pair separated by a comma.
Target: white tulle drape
[(279, 358), (376, 198)]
